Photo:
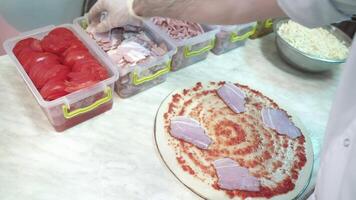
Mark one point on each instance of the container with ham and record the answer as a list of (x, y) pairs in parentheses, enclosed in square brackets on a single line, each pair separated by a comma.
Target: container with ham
[(194, 41), (232, 37), (140, 55)]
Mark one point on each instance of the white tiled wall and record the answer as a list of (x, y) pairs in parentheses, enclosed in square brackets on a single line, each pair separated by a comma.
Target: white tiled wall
[(29, 14)]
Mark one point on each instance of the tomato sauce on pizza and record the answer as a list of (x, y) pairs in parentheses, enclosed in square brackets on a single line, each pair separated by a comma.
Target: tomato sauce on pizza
[(275, 159)]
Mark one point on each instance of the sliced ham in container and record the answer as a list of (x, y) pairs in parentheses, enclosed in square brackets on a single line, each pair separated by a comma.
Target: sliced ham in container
[(189, 130), (279, 121), (178, 29), (234, 177), (233, 97), (128, 46)]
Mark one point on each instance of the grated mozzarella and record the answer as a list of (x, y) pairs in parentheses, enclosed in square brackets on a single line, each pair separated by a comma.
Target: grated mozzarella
[(317, 42)]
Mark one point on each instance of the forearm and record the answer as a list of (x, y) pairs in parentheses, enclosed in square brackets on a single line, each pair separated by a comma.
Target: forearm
[(210, 11)]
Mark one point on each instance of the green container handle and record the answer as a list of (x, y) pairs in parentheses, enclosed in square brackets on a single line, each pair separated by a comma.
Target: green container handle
[(235, 37), (139, 81), (189, 53), (68, 115), (268, 23)]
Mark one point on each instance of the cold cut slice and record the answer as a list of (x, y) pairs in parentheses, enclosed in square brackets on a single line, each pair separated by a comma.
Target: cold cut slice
[(189, 130), (279, 121), (234, 177), (233, 97)]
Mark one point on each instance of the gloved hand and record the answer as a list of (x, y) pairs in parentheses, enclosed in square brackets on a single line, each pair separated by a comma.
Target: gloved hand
[(118, 14)]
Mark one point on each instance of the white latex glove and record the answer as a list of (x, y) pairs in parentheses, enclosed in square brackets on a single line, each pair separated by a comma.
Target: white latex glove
[(119, 13)]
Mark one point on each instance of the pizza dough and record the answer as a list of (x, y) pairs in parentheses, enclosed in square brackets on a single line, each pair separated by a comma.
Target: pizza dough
[(282, 164)]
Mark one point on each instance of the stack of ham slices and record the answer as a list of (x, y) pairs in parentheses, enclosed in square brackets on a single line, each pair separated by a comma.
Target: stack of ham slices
[(128, 46), (178, 29)]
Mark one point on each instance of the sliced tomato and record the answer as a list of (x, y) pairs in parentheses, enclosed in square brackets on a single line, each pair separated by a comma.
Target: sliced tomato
[(25, 49), (45, 57), (53, 89), (40, 74), (54, 44), (73, 86), (92, 66), (85, 64), (38, 71), (82, 77), (34, 58), (76, 55), (24, 54), (76, 42), (26, 57), (102, 72), (75, 45), (26, 43), (63, 32), (36, 45), (79, 80)]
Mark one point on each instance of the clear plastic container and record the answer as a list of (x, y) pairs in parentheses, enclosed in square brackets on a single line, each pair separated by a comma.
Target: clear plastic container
[(191, 50), (232, 37), (81, 105), (263, 28), (144, 76)]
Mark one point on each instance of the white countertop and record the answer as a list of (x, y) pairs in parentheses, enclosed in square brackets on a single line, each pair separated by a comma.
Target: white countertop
[(113, 156)]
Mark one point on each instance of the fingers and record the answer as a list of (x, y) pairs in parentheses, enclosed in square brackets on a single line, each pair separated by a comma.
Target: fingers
[(103, 26), (95, 12), (135, 22), (113, 21)]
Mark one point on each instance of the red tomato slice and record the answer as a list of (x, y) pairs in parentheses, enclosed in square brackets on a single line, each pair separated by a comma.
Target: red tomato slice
[(92, 66), (21, 45), (41, 74), (74, 56), (24, 54), (82, 77), (37, 71), (76, 45), (45, 57), (102, 72), (58, 72), (72, 86), (84, 65), (36, 45), (63, 32), (79, 80), (53, 89), (25, 58), (36, 57), (25, 49), (54, 44)]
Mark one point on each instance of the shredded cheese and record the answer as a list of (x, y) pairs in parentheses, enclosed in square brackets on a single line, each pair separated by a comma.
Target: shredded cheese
[(317, 42)]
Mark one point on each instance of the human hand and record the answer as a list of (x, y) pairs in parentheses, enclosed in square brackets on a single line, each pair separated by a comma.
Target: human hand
[(118, 14)]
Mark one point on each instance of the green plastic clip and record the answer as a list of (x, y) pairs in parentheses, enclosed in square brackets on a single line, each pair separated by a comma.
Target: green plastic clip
[(235, 37), (189, 53), (268, 23), (68, 115), (138, 81)]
